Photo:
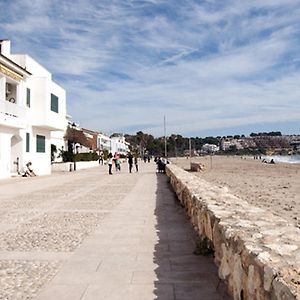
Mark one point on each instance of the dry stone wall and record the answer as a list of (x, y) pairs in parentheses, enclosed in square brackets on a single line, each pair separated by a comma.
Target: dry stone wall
[(257, 253)]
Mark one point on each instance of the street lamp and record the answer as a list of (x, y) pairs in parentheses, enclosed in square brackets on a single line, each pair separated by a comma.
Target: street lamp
[(165, 132), (74, 147)]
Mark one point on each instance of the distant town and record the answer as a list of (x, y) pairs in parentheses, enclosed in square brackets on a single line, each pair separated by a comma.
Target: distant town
[(265, 143)]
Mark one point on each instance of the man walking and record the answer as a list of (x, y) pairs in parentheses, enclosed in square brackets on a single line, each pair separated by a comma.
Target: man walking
[(130, 161), (110, 162)]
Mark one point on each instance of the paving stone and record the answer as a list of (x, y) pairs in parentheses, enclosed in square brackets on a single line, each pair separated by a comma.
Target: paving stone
[(88, 235)]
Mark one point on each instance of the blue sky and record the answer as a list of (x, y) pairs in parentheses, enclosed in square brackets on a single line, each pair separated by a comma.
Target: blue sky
[(211, 67)]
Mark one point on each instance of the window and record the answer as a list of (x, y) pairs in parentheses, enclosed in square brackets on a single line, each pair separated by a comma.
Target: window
[(28, 97), (54, 103), (40, 143), (27, 142)]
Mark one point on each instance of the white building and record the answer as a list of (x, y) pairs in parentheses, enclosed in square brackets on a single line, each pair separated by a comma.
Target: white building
[(119, 145), (210, 148), (103, 142), (227, 143), (32, 108)]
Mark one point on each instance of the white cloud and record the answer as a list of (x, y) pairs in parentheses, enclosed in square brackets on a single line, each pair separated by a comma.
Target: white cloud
[(129, 63)]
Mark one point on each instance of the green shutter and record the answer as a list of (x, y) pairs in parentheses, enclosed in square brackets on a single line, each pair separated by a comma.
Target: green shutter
[(28, 97), (54, 103), (27, 142), (40, 144)]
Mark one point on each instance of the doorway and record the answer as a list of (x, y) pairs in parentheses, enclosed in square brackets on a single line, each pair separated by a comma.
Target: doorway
[(16, 153)]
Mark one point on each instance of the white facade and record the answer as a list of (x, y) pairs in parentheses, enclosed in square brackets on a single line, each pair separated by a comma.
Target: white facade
[(114, 145), (210, 148), (227, 143), (104, 142), (32, 109), (119, 145)]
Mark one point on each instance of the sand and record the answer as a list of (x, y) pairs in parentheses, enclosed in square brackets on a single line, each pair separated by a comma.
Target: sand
[(273, 187)]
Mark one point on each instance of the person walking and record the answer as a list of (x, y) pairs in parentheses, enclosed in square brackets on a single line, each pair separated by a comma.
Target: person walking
[(101, 159), (130, 161), (110, 162), (117, 162), (136, 163)]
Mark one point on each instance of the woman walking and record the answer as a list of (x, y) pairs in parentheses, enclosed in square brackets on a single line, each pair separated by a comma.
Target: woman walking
[(136, 163)]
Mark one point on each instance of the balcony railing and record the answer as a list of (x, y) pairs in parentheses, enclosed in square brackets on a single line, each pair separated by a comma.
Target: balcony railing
[(12, 109)]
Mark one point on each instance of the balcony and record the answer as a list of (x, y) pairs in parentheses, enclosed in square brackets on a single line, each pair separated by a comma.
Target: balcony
[(11, 114), (12, 109)]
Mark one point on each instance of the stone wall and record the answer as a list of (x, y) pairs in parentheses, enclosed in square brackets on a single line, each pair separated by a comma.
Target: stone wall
[(257, 253)]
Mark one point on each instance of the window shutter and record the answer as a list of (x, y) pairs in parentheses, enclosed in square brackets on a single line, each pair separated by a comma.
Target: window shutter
[(28, 97), (27, 142), (40, 144), (54, 103)]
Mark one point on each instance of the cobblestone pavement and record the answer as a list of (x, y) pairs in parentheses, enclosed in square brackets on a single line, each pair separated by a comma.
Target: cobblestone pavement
[(87, 235)]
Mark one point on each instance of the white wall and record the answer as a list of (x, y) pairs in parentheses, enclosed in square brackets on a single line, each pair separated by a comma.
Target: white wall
[(118, 145), (41, 161), (5, 156), (38, 119)]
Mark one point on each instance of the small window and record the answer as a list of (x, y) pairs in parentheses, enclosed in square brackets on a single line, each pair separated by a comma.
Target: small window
[(40, 143), (27, 142), (28, 97), (54, 103)]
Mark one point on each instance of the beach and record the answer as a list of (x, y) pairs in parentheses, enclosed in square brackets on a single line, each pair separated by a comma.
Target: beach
[(274, 187)]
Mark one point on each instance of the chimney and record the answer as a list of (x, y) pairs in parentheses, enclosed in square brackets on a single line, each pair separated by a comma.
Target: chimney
[(5, 47)]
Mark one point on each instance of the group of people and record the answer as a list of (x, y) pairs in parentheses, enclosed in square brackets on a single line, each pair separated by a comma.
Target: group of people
[(161, 164), (133, 161), (115, 159)]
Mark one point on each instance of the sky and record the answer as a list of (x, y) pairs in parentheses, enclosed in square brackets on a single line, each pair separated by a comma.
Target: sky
[(210, 67)]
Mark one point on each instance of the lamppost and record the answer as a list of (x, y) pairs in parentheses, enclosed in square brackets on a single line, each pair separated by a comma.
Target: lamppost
[(165, 132), (74, 146)]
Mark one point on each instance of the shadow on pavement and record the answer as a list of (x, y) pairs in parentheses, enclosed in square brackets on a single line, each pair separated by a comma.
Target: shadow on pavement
[(181, 275)]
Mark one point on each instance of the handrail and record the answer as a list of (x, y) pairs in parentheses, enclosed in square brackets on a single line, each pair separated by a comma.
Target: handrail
[(12, 109)]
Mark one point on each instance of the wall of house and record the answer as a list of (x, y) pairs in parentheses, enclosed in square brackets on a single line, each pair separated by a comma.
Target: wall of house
[(57, 139), (257, 253), (2, 88), (40, 119), (59, 119), (38, 89), (5, 156)]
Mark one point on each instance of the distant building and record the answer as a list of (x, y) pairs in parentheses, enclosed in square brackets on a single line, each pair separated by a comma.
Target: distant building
[(119, 145), (210, 148), (32, 111), (227, 143), (103, 142)]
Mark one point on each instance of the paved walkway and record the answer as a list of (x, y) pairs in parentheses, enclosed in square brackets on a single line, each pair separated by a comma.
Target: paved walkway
[(87, 235)]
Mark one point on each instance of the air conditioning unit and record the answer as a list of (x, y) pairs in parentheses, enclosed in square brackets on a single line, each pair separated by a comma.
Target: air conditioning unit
[(8, 88)]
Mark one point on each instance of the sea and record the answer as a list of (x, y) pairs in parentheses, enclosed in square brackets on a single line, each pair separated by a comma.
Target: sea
[(290, 159)]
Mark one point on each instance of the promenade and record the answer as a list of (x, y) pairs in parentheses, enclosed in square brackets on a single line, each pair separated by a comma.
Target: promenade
[(88, 235)]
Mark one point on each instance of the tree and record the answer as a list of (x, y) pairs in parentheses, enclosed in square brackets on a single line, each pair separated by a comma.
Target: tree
[(75, 136)]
